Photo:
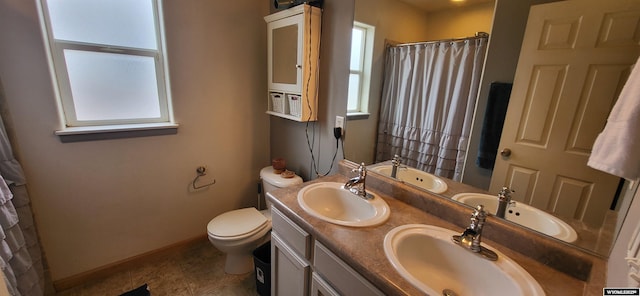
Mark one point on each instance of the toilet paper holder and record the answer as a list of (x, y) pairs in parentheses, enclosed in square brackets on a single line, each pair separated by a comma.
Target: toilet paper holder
[(201, 171)]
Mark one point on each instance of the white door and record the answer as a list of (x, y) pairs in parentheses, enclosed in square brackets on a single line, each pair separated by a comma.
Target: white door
[(575, 58)]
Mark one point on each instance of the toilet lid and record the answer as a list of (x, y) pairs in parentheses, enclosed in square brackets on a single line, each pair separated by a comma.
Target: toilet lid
[(237, 222)]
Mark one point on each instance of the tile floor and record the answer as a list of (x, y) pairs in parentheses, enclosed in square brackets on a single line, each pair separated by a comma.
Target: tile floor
[(198, 271), (193, 271)]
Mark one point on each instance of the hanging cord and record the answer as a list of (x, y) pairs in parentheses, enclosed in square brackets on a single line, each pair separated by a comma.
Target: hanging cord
[(311, 141), (342, 142)]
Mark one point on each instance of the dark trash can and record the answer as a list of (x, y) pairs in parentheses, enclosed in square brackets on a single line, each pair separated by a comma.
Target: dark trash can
[(262, 262)]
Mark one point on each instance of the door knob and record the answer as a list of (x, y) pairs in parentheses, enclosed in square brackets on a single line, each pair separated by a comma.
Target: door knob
[(506, 152)]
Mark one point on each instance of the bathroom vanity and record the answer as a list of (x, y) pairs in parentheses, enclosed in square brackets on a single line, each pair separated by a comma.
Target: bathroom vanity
[(314, 257), (300, 262)]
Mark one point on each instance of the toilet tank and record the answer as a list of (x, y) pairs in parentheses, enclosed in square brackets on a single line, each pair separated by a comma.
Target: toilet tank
[(272, 181)]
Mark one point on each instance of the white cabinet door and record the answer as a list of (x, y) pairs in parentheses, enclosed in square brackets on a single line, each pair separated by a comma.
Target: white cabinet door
[(289, 272), (285, 54)]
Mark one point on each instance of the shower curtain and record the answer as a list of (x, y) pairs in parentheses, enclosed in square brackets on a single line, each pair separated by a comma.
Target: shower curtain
[(428, 100), (20, 254)]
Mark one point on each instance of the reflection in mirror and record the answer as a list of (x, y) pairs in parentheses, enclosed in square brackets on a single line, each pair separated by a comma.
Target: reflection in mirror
[(521, 214), (412, 176), (284, 59), (404, 23)]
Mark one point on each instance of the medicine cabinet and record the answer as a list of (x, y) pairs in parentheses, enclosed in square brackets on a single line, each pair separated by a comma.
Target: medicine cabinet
[(293, 37)]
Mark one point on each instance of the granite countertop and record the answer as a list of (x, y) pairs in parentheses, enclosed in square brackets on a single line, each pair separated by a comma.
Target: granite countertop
[(362, 248)]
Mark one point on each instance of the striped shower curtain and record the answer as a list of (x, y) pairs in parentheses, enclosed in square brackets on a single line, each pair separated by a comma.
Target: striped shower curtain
[(20, 253), (428, 100)]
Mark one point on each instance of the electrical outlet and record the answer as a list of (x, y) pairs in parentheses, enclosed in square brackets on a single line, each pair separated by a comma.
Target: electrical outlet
[(340, 122)]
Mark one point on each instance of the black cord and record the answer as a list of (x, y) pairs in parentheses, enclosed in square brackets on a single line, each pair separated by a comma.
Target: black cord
[(342, 141), (311, 142), (306, 130)]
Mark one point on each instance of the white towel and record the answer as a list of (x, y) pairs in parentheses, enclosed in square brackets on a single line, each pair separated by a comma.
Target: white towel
[(617, 149)]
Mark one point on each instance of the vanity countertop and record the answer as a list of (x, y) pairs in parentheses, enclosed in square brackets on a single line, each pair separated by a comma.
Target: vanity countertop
[(362, 248)]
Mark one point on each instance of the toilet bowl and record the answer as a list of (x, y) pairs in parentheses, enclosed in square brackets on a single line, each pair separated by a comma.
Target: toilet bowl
[(237, 233)]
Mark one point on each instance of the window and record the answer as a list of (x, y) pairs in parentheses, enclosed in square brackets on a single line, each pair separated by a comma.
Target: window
[(108, 63), (360, 68)]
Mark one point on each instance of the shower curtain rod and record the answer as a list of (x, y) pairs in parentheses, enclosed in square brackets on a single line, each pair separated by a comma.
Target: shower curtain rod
[(478, 35)]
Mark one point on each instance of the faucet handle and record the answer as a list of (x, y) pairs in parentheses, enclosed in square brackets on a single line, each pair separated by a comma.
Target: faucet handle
[(396, 159), (505, 194), (479, 212), (471, 238), (478, 217), (361, 170)]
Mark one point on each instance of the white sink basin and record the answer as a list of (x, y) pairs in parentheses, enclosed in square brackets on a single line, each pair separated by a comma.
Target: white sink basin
[(414, 177), (426, 256), (522, 214), (329, 201)]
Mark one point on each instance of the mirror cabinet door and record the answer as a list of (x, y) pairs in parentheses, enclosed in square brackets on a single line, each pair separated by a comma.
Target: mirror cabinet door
[(284, 54)]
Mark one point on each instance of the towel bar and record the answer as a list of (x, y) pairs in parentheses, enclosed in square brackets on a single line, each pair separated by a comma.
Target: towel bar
[(201, 171)]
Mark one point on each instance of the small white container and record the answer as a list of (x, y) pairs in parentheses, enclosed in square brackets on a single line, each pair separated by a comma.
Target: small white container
[(295, 105), (277, 102)]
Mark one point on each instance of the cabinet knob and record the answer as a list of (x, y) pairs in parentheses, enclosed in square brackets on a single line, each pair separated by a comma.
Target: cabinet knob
[(299, 66)]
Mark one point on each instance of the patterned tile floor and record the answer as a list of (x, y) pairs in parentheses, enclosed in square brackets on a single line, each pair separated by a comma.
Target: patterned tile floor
[(194, 271)]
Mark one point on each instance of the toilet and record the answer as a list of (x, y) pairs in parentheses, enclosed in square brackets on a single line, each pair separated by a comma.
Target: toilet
[(237, 233)]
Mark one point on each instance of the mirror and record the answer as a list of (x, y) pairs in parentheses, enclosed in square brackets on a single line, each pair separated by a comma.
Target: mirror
[(399, 21), (284, 59)]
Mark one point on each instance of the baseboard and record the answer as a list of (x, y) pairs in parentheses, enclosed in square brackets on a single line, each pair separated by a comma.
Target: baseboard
[(119, 266)]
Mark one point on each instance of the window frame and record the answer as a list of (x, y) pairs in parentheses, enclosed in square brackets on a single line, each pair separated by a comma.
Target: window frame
[(366, 54), (62, 85)]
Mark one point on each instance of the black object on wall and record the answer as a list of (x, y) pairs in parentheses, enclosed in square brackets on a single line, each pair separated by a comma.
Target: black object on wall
[(497, 104), (284, 4)]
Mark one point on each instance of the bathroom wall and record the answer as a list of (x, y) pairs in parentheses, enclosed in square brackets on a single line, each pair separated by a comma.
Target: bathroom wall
[(99, 202), (292, 140), (460, 22)]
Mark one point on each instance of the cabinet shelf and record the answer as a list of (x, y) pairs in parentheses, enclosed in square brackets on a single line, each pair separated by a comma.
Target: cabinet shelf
[(293, 37)]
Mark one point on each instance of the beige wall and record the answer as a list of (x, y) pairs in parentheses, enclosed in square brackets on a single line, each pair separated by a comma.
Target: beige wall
[(103, 201), (394, 20), (460, 22)]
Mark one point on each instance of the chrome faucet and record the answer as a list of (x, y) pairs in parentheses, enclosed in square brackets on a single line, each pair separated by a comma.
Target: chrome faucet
[(356, 185), (471, 237), (395, 165), (504, 200)]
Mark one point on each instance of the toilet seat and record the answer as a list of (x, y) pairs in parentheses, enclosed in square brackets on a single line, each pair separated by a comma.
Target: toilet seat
[(237, 224)]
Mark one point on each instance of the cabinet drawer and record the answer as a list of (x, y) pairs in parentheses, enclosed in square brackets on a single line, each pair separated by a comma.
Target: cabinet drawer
[(339, 275), (298, 239)]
